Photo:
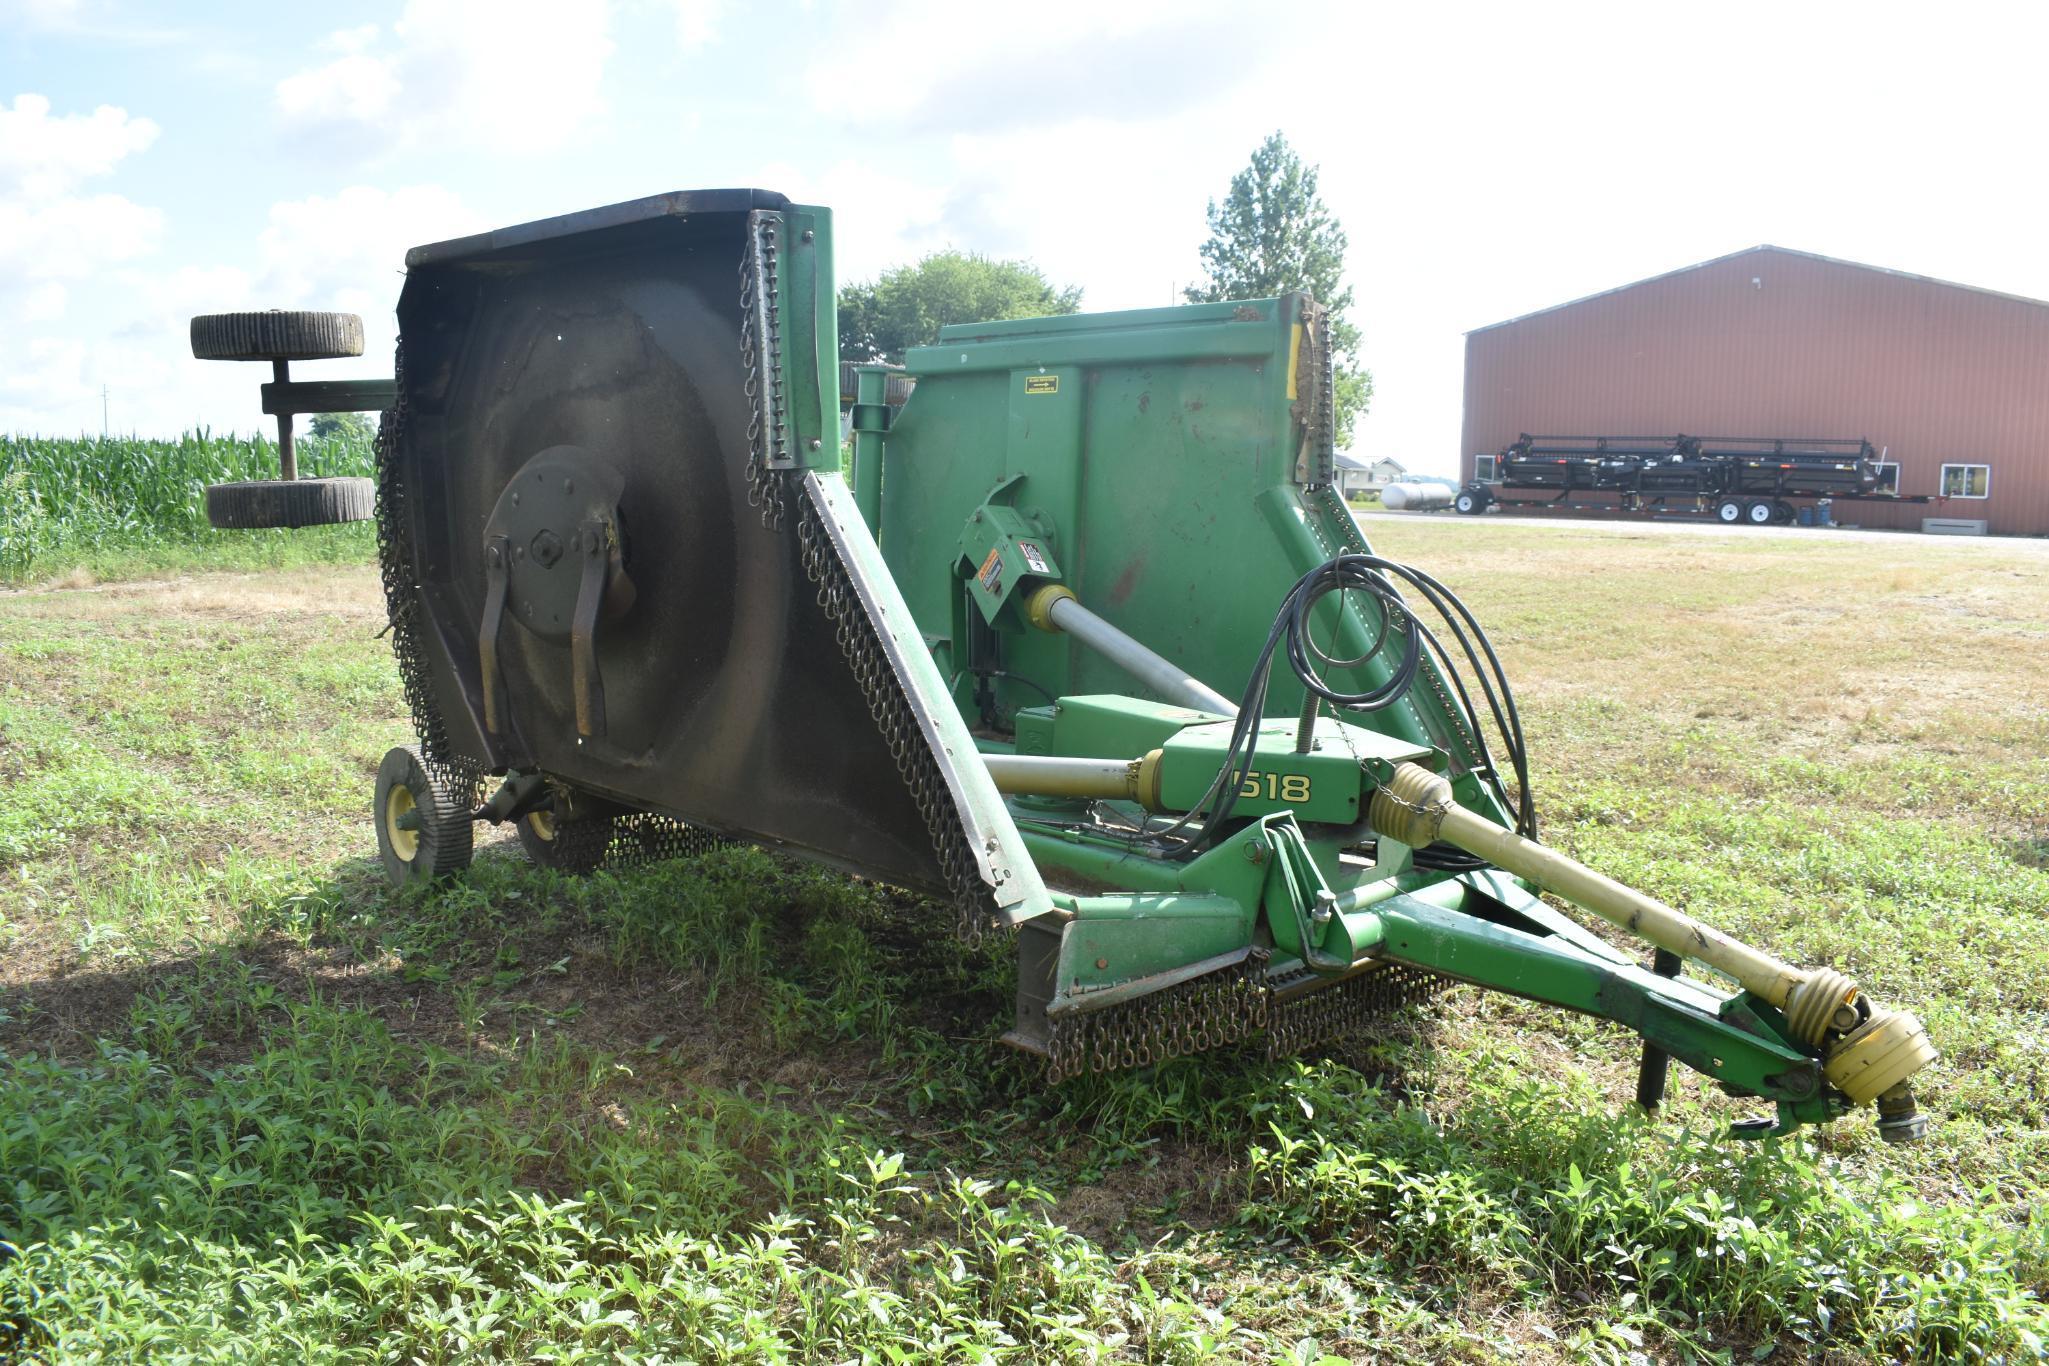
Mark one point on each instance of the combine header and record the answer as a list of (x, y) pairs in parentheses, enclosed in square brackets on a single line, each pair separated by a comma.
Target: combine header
[(1078, 640), (1739, 479)]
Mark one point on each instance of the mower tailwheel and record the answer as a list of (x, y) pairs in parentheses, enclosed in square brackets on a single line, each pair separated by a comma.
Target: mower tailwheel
[(571, 844), (423, 822)]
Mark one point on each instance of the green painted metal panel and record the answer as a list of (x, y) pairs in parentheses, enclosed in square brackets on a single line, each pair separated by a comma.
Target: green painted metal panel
[(1102, 727), (1144, 460), (1325, 785), (1158, 448)]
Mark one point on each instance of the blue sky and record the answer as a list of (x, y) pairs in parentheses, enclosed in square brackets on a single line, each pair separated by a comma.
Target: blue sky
[(160, 160)]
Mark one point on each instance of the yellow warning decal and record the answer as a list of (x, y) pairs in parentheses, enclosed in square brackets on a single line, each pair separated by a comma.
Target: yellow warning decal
[(1042, 384), (1294, 359)]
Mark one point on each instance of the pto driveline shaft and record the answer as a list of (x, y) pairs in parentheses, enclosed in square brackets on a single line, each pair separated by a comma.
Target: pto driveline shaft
[(1055, 608), (1417, 809), (1869, 1050)]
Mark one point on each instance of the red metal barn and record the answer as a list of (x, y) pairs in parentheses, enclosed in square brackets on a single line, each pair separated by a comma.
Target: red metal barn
[(1950, 382)]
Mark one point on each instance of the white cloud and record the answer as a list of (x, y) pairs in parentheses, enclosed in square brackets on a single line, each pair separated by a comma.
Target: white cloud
[(697, 22), (989, 67), (348, 40), (42, 157), (313, 250), (48, 232), (73, 236), (353, 88), (509, 75), (880, 219), (48, 13), (101, 20), (44, 303)]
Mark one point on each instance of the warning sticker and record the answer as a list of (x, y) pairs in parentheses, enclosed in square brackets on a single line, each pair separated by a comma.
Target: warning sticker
[(991, 573), (1042, 384), (1035, 558)]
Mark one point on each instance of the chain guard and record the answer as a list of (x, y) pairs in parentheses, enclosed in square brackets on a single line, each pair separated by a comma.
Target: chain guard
[(396, 562), (1230, 1006)]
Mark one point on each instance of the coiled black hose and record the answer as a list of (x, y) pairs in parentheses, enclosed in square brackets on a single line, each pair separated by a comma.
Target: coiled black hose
[(1400, 629)]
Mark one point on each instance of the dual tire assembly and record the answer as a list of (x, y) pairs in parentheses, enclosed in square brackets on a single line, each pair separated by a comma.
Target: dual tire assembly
[(281, 337), (1733, 511)]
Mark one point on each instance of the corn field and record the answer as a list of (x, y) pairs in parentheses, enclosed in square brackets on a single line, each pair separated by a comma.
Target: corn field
[(60, 496)]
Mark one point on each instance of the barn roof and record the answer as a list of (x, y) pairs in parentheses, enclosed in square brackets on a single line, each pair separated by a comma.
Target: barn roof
[(1759, 249)]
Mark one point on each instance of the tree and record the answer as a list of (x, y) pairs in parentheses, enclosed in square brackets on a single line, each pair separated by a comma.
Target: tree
[(907, 306), (1272, 234), (341, 427)]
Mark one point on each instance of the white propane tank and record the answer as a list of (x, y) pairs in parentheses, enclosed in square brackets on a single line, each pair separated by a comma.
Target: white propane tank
[(1415, 497)]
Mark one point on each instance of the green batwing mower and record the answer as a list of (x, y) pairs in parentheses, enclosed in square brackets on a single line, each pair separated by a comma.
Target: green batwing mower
[(1078, 640)]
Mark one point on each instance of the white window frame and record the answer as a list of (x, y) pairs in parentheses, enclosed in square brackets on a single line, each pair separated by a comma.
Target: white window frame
[(1488, 472), (1885, 485), (1942, 482)]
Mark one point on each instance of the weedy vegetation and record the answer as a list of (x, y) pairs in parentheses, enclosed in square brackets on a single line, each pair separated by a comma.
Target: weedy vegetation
[(255, 1105)]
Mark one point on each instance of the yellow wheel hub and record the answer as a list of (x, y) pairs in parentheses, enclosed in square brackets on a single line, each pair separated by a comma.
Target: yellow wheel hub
[(542, 823), (405, 843)]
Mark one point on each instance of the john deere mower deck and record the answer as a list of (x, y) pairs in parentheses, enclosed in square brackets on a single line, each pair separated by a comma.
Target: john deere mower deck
[(1079, 641)]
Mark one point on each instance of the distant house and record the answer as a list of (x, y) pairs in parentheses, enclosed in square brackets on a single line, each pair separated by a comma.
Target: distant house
[(1360, 476)]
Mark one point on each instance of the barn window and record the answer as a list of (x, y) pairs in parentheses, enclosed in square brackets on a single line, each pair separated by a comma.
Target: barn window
[(1888, 472), (1966, 481), (1484, 467)]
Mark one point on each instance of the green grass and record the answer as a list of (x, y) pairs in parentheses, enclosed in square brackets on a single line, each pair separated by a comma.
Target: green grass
[(733, 1109), (123, 505)]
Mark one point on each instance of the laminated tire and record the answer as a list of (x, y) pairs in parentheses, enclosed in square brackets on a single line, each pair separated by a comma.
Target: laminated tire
[(276, 335), (424, 830), (575, 845), (286, 503)]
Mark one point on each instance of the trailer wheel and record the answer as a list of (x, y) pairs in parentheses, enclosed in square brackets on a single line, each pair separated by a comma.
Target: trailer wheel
[(1785, 513), (277, 335), (1730, 510), (272, 504), (1471, 501), (574, 845), (1760, 513), (423, 821)]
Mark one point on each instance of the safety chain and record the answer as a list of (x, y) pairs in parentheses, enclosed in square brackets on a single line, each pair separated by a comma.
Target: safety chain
[(1327, 404), (1218, 1008), (459, 776), (1347, 1007), (628, 840), (894, 717), (1228, 1007), (761, 339)]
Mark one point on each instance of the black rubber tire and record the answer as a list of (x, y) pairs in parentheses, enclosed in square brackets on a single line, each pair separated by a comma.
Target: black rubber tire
[(1730, 511), (576, 846), (445, 838), (276, 335), (1751, 514), (274, 503), (1471, 502), (1784, 513)]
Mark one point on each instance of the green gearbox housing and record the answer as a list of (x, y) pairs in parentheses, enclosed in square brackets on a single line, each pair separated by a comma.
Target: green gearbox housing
[(1078, 639)]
